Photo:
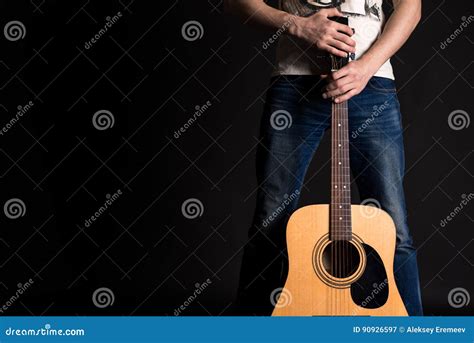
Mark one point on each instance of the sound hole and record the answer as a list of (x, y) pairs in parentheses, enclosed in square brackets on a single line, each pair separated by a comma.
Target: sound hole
[(341, 259)]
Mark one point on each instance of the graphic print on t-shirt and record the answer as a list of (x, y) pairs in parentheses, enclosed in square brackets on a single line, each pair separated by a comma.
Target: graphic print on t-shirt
[(372, 8)]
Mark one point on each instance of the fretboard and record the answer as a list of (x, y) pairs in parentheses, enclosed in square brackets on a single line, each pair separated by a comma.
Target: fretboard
[(340, 228)]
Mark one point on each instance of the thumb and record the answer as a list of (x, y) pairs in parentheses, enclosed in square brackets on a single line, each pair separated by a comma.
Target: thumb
[(332, 12)]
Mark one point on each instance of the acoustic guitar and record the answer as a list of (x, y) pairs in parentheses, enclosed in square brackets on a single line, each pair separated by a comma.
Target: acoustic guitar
[(340, 255)]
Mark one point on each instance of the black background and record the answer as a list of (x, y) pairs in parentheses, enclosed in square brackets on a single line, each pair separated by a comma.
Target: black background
[(151, 79)]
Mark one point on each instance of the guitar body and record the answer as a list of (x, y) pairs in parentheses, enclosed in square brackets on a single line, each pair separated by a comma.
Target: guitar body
[(313, 290)]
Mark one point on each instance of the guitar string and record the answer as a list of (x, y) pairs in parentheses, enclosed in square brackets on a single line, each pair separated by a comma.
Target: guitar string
[(349, 204), (341, 212), (341, 199), (346, 162), (334, 187), (338, 271), (338, 261), (335, 201), (336, 197), (338, 201), (348, 208), (343, 194), (333, 224), (346, 195), (336, 128), (334, 209)]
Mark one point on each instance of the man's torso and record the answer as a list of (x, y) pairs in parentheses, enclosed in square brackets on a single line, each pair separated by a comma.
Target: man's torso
[(365, 17)]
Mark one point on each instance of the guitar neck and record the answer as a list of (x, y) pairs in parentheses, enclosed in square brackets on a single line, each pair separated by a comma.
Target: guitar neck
[(340, 228)]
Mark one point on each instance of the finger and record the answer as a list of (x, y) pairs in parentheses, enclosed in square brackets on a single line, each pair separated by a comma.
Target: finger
[(339, 83), (341, 46), (346, 96), (331, 12), (334, 51), (343, 28), (344, 71), (344, 38), (339, 91), (327, 77)]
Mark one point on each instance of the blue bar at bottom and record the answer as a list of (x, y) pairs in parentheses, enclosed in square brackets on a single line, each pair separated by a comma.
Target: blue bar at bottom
[(236, 329)]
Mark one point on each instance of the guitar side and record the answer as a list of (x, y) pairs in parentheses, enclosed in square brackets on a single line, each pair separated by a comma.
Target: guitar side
[(306, 294)]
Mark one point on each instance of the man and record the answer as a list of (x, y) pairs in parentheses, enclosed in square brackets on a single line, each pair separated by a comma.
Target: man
[(302, 91)]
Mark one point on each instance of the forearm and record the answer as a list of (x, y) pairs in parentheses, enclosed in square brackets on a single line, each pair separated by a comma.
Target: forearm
[(258, 13), (398, 28)]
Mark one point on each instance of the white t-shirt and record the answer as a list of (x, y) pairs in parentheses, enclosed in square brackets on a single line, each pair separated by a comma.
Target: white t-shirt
[(365, 17)]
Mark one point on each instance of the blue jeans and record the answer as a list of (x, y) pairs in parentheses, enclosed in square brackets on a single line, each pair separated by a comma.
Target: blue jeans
[(294, 121)]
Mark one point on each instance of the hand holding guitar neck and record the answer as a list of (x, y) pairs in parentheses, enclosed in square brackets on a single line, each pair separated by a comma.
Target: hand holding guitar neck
[(327, 33), (346, 81)]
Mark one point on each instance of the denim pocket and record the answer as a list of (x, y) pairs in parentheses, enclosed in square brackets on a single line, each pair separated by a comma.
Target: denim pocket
[(382, 85)]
